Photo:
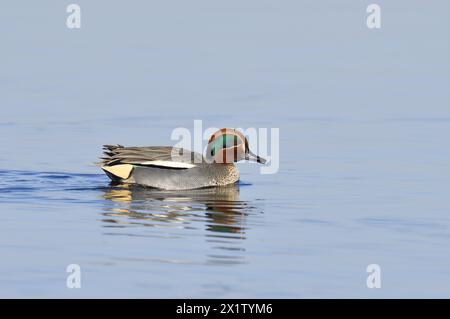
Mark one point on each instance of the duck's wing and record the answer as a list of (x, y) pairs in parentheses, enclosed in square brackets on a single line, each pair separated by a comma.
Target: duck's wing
[(164, 156)]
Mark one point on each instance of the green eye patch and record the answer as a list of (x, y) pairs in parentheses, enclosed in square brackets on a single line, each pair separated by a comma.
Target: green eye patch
[(224, 141)]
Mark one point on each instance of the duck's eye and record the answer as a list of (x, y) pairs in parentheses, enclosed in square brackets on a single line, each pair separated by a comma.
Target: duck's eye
[(223, 142)]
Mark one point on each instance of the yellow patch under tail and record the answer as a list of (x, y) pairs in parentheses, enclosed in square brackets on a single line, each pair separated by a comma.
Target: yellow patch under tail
[(122, 171)]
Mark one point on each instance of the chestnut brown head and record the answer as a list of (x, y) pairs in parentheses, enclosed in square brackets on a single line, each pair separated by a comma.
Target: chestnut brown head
[(228, 146)]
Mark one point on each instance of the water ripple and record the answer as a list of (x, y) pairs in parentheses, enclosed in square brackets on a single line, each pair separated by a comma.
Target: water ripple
[(217, 215)]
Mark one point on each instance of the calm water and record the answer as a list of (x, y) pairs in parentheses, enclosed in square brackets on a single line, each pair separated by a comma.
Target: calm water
[(364, 123)]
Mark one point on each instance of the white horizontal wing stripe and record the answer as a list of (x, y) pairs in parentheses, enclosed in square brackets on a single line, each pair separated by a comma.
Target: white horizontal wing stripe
[(168, 164)]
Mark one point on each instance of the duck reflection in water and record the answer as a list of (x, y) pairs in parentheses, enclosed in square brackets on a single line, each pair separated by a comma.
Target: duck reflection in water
[(217, 210)]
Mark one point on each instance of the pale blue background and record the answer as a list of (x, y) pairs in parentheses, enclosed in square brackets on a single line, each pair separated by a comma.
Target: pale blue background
[(364, 118)]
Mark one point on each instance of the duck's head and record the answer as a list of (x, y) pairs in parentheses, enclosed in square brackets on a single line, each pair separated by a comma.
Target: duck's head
[(229, 145)]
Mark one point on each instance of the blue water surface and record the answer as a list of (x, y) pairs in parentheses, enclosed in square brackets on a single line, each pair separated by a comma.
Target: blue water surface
[(364, 122)]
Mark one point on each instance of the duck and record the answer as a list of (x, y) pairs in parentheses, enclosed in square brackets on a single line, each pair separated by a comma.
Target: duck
[(173, 168)]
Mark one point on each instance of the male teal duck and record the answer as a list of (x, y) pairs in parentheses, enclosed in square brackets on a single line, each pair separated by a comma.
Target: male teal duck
[(171, 168)]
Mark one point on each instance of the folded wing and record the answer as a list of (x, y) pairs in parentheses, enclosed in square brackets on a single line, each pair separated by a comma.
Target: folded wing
[(160, 156)]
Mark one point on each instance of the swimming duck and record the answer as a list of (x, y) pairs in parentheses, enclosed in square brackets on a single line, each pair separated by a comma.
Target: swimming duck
[(172, 168)]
